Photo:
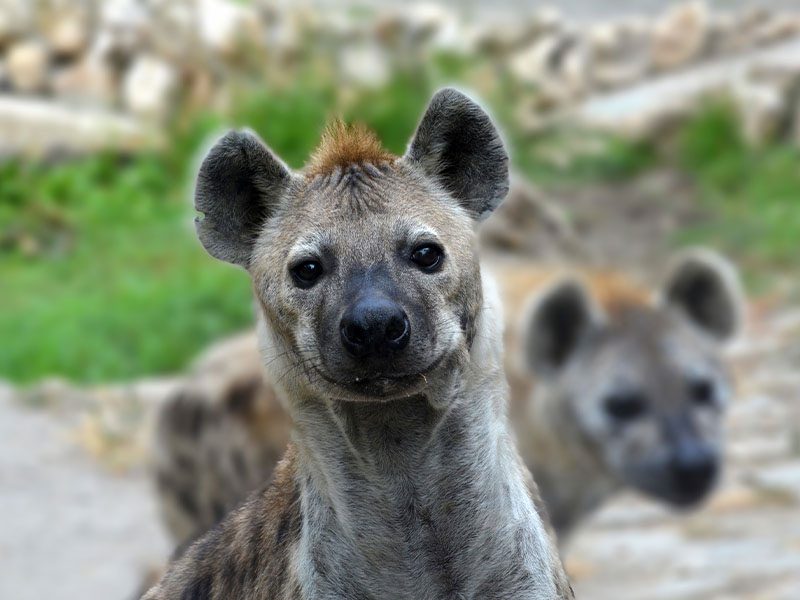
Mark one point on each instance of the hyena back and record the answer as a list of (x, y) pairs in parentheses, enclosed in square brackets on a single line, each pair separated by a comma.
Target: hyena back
[(378, 331)]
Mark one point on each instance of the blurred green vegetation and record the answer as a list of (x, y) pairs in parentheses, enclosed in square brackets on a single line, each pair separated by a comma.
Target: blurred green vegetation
[(102, 278), (752, 191)]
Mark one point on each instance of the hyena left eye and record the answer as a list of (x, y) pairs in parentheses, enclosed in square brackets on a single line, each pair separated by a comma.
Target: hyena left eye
[(702, 391), (306, 273), (427, 257)]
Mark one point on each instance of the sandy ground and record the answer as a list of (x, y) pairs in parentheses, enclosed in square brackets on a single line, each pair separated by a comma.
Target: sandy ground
[(71, 528)]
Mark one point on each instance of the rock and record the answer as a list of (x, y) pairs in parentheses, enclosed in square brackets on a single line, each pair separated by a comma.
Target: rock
[(619, 53), (680, 36), (41, 128), (90, 81), (122, 31), (16, 17), (364, 64), (27, 64), (228, 28), (67, 33), (762, 110), (776, 29), (149, 87), (501, 38), (556, 67)]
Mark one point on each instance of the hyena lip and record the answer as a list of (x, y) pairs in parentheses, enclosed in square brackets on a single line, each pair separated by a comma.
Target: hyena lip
[(386, 386)]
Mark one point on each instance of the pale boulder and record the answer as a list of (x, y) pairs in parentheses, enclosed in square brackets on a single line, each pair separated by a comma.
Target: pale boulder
[(149, 87), (680, 35), (27, 64)]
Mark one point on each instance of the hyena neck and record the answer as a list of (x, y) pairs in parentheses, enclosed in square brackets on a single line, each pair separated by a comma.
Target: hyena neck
[(572, 480), (423, 497)]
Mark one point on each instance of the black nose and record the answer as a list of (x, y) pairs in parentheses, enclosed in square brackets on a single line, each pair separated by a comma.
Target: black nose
[(694, 470), (374, 325)]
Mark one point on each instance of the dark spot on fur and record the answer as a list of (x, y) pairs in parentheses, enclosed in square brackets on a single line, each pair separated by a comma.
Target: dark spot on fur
[(239, 463), (199, 588), (187, 502), (243, 395), (220, 510)]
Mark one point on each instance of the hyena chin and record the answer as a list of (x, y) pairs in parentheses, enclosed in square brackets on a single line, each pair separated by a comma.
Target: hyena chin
[(630, 387), (382, 337)]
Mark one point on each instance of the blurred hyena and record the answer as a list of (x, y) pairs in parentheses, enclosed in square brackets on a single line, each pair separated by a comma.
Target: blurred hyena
[(614, 386), (380, 333), (618, 386)]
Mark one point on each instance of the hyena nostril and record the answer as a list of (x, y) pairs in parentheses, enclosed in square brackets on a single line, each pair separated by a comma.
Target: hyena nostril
[(397, 332), (374, 324)]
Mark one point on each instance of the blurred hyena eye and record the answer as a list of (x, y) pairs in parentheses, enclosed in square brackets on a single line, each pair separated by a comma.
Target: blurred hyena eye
[(306, 273), (702, 391), (625, 406), (427, 257)]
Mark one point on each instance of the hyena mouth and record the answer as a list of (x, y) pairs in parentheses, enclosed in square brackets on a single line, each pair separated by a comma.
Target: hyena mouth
[(386, 386)]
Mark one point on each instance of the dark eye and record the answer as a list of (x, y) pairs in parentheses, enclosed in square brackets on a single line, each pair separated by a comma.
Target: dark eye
[(702, 391), (306, 273), (427, 257), (625, 406)]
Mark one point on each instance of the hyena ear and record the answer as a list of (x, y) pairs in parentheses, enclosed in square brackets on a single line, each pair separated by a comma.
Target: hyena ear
[(554, 324), (239, 186), (458, 146), (705, 288)]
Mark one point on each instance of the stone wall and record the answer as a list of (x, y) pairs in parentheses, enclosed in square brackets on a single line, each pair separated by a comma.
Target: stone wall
[(152, 58)]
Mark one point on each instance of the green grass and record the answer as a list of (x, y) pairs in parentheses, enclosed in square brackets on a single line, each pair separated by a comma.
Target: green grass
[(753, 192), (101, 277)]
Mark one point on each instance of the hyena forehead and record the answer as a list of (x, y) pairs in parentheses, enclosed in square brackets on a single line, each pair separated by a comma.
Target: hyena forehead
[(367, 207)]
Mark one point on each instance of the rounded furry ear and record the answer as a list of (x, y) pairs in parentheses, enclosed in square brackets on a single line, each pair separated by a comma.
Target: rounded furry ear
[(458, 146), (706, 289), (554, 324), (239, 185)]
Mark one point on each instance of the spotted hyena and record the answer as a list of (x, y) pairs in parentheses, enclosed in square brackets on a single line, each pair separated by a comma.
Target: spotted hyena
[(381, 335), (617, 386)]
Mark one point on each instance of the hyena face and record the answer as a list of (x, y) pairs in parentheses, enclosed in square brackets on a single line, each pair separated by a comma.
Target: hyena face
[(364, 265), (644, 382)]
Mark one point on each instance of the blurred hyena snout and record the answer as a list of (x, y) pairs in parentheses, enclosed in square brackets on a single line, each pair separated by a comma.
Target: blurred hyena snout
[(374, 326), (694, 470)]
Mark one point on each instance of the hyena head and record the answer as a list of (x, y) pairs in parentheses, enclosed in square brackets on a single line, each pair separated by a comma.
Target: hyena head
[(363, 264), (642, 380)]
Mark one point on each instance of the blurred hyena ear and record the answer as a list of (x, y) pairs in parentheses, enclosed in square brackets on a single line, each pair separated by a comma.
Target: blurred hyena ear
[(239, 185), (554, 324), (458, 146), (705, 287)]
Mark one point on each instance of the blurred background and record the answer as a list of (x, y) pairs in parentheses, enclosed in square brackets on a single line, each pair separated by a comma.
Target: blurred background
[(641, 126)]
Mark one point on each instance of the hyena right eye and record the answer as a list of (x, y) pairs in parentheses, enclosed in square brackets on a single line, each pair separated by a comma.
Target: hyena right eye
[(306, 273), (427, 257), (625, 406)]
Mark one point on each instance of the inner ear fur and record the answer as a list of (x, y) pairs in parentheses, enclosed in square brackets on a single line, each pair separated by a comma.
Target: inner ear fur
[(706, 289), (457, 145), (239, 185), (555, 322)]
